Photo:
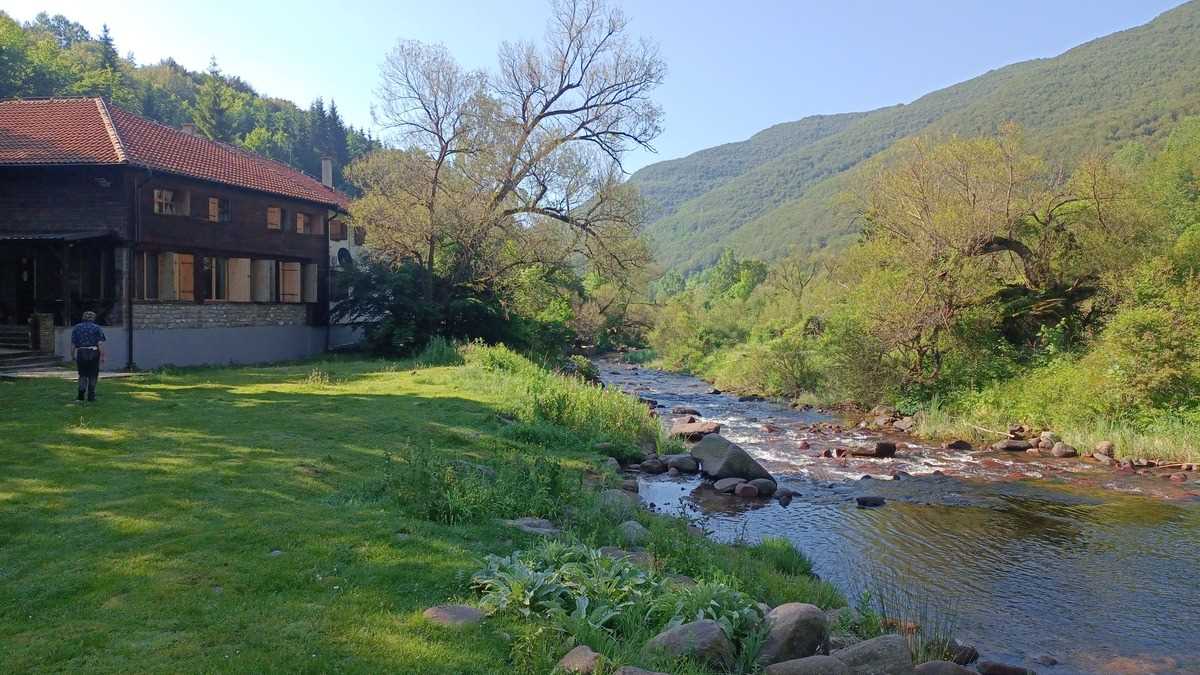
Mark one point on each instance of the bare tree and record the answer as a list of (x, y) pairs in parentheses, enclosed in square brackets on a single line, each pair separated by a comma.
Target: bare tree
[(493, 163)]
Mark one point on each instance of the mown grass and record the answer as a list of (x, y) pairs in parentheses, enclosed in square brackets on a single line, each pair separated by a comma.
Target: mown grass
[(265, 519)]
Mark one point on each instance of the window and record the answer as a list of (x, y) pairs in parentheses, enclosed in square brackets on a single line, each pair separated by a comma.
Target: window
[(302, 223), (145, 276), (176, 280), (172, 203), (274, 218), (289, 282), (263, 281), (218, 210), (337, 230), (319, 225), (309, 274), (216, 276)]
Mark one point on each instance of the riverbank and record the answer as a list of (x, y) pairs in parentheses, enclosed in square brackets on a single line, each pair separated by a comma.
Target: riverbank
[(305, 517), (1167, 441)]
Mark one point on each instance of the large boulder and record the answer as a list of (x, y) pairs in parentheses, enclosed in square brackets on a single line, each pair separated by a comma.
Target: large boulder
[(700, 640), (684, 410), (809, 665), (579, 660), (538, 526), (796, 630), (996, 668), (1060, 449), (1106, 448), (884, 655), (694, 431), (745, 491), (719, 458)]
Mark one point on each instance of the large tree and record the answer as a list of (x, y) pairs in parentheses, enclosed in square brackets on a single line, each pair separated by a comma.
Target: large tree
[(510, 168)]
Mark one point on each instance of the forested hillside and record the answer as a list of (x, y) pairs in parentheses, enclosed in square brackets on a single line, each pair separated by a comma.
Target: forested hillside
[(54, 56), (782, 187)]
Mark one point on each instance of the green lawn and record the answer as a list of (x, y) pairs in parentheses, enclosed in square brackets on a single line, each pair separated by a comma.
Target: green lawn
[(300, 518), (208, 521)]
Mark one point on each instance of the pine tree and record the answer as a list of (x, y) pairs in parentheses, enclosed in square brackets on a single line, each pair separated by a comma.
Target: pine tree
[(210, 113), (108, 50)]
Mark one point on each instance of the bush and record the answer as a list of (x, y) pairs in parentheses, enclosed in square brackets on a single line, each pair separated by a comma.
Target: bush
[(439, 351)]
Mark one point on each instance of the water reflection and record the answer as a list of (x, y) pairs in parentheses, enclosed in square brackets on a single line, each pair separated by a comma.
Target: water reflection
[(1102, 581)]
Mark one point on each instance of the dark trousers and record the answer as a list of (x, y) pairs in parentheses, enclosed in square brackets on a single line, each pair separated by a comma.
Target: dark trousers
[(88, 363)]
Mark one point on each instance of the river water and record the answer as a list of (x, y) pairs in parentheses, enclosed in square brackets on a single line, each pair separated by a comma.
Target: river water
[(1025, 557)]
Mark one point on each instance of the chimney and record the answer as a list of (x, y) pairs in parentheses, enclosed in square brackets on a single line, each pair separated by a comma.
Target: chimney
[(188, 128), (327, 170)]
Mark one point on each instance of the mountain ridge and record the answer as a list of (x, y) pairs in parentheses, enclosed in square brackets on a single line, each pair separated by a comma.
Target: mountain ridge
[(1133, 84)]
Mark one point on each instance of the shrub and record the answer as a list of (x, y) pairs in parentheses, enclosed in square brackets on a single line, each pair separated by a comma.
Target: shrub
[(439, 351)]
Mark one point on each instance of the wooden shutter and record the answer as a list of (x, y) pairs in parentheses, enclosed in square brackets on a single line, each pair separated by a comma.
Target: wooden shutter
[(239, 280), (185, 276), (289, 282)]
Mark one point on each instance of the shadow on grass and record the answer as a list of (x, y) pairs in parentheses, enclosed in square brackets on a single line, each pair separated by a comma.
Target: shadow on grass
[(186, 519)]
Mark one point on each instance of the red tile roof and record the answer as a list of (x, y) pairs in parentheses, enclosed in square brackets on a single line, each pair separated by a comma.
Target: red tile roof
[(69, 131)]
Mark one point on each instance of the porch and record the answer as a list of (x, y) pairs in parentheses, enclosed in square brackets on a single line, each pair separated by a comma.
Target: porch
[(58, 275)]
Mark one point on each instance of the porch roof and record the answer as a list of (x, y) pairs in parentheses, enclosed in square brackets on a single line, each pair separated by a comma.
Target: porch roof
[(55, 236)]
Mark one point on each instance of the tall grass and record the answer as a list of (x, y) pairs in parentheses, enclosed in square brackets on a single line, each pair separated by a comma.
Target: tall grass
[(1174, 439), (532, 394)]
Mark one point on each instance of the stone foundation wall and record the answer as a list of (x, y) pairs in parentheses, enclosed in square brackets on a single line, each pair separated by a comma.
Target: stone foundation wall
[(171, 315)]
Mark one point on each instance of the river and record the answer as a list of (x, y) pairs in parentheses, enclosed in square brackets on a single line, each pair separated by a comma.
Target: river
[(1027, 557)]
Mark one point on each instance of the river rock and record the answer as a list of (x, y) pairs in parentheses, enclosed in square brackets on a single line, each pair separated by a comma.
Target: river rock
[(796, 630), (1012, 445), (633, 532), (453, 615), (579, 660), (745, 491), (637, 556), (618, 501), (684, 410), (884, 655), (942, 668), (870, 501), (963, 654), (1061, 449), (683, 463), (720, 458), (700, 640), (809, 665), (1106, 448), (612, 464), (727, 485), (995, 668), (694, 431), (957, 444), (905, 423), (1103, 458), (766, 487), (538, 526), (882, 450), (785, 496), (653, 466), (1049, 436)]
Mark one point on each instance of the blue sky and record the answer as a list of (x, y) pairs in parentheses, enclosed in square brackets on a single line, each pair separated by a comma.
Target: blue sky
[(734, 67)]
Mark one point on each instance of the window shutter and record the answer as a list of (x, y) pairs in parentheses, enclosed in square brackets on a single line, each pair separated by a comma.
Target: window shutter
[(289, 282), (239, 280), (310, 282), (185, 277)]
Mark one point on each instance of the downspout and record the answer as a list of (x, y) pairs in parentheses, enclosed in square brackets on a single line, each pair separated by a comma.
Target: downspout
[(129, 275)]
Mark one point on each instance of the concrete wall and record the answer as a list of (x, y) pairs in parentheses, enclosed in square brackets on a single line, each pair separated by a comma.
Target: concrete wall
[(345, 335), (156, 347)]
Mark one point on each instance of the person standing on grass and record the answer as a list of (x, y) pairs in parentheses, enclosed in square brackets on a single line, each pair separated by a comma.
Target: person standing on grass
[(88, 340)]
